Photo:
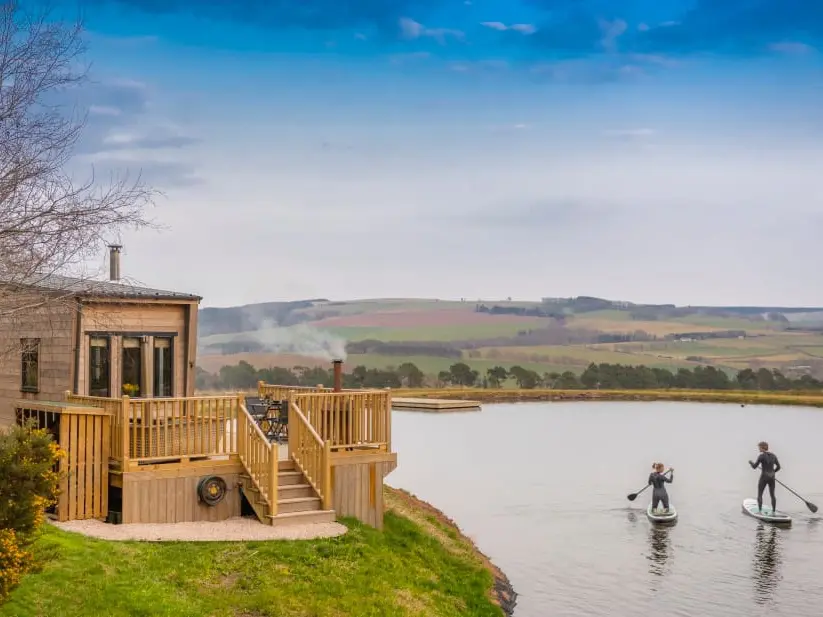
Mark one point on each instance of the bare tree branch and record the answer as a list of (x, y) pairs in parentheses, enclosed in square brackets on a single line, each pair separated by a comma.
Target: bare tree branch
[(49, 222)]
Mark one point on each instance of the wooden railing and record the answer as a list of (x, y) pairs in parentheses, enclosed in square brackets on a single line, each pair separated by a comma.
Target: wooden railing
[(350, 418), (281, 393), (311, 454), (259, 457), (145, 430)]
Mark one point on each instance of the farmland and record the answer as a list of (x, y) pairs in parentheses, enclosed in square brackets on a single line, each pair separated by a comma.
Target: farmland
[(544, 337)]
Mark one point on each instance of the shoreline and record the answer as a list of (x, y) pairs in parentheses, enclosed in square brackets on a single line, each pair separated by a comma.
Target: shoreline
[(502, 592), (743, 397)]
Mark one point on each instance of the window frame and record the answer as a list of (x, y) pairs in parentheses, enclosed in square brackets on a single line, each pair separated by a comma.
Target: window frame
[(109, 358), (156, 368), (28, 346), (140, 365)]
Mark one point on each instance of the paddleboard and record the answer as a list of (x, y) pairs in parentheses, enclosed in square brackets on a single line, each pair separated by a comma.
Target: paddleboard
[(767, 515), (660, 515)]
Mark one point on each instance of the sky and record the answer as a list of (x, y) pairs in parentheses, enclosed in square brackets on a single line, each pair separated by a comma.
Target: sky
[(641, 150)]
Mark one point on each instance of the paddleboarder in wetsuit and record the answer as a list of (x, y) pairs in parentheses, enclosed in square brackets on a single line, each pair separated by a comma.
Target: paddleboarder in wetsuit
[(769, 466), (658, 480)]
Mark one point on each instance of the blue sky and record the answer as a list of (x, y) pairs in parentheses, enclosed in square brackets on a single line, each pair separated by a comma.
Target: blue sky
[(649, 151)]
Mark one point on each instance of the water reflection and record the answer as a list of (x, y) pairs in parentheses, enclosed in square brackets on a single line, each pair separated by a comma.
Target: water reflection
[(766, 563), (659, 550)]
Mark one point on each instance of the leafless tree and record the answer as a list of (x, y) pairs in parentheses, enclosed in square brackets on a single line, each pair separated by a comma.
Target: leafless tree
[(50, 222)]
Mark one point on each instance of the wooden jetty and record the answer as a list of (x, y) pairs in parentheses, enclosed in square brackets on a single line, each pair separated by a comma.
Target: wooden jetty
[(434, 404)]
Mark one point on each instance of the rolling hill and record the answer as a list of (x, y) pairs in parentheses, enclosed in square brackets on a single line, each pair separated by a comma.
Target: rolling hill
[(554, 334)]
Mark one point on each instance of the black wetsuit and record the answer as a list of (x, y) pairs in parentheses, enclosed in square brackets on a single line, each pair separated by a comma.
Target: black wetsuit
[(769, 466), (658, 481)]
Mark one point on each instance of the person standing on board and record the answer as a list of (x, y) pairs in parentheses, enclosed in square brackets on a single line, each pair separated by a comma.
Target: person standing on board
[(658, 480), (769, 466)]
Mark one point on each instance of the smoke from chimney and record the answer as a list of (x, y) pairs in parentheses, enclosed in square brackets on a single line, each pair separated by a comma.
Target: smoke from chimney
[(114, 262), (338, 375)]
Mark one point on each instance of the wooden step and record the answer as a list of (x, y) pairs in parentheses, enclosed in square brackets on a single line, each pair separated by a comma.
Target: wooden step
[(302, 518), (298, 504), (288, 478), (286, 465), (290, 491)]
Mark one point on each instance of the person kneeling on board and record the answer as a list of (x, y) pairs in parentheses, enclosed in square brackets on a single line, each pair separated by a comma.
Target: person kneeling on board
[(769, 466), (658, 480)]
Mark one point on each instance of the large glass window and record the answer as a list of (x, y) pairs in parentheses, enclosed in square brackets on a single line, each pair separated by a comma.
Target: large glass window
[(99, 366), (162, 366), (30, 381), (132, 366)]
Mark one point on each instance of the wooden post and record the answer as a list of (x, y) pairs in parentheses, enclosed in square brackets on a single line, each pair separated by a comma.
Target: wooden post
[(273, 470), (125, 431), (260, 384), (67, 395), (290, 424), (240, 426), (388, 420), (327, 501)]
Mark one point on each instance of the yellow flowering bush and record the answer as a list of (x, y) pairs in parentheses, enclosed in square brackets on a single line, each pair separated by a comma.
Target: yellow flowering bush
[(28, 477), (14, 561)]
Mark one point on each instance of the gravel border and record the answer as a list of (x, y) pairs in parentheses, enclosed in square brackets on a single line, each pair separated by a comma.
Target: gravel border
[(231, 530)]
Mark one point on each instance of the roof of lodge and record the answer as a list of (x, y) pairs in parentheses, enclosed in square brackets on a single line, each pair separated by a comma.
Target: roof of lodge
[(103, 289)]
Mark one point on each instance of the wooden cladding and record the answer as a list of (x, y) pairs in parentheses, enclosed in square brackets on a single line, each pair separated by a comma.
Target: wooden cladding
[(84, 483)]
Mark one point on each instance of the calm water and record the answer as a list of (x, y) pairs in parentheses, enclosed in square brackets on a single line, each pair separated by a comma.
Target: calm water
[(542, 489)]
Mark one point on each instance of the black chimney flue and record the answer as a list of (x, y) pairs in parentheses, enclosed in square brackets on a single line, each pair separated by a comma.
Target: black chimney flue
[(338, 375)]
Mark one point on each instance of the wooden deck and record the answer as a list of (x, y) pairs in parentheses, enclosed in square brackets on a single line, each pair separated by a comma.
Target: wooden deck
[(435, 404), (163, 460)]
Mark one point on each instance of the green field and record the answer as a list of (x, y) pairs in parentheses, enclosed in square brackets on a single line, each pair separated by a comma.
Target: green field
[(768, 343)]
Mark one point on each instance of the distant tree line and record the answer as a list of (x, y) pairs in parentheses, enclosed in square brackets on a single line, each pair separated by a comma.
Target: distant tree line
[(596, 376)]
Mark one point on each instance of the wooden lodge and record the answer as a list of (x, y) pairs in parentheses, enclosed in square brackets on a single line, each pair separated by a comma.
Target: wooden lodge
[(110, 372)]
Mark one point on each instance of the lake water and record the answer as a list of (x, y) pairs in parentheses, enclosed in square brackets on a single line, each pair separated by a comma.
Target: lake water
[(541, 487)]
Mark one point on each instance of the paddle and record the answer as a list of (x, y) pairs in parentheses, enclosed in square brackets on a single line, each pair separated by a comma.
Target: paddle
[(633, 496), (809, 504)]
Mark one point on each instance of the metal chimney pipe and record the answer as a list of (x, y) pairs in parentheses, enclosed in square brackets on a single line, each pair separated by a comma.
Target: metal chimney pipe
[(338, 375), (114, 262)]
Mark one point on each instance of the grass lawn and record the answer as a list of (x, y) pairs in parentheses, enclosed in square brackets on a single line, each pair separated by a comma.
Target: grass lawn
[(417, 566)]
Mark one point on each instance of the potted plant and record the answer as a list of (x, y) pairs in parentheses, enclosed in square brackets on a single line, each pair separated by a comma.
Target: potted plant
[(130, 389)]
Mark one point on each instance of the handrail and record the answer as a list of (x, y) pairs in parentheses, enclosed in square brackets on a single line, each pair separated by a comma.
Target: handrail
[(258, 457), (310, 453), (151, 429), (349, 418)]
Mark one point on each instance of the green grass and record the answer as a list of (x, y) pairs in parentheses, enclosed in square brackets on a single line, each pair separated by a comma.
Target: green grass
[(401, 571)]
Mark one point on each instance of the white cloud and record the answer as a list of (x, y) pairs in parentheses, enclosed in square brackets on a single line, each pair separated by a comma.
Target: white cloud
[(411, 29), (501, 27), (104, 110), (791, 47)]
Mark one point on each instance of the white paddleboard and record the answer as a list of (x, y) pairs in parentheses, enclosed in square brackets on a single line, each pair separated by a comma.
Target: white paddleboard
[(767, 515), (660, 515)]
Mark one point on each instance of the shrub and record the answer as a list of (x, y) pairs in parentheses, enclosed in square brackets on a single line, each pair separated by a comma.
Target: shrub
[(14, 561), (28, 480)]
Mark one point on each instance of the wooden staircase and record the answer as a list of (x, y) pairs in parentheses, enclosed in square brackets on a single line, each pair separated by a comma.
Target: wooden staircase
[(297, 501)]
